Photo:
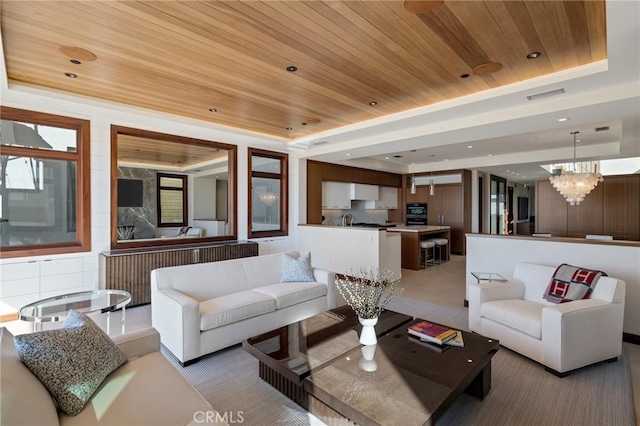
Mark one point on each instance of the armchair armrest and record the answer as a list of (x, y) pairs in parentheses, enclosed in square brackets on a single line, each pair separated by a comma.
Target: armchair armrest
[(581, 332), (138, 343), (329, 278), (486, 292), (177, 317)]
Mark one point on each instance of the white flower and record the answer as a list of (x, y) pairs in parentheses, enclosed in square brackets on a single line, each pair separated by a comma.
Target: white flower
[(368, 291)]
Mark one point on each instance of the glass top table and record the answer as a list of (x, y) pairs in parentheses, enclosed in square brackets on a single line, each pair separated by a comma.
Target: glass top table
[(320, 364), (488, 276), (56, 308)]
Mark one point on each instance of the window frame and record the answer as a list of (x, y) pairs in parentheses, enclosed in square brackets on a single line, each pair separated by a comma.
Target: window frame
[(283, 176), (82, 159), (185, 199)]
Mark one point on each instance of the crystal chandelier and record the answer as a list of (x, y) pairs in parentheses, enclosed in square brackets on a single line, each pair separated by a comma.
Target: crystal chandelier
[(572, 185)]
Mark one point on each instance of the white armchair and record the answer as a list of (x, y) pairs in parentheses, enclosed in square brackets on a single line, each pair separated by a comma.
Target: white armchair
[(563, 336)]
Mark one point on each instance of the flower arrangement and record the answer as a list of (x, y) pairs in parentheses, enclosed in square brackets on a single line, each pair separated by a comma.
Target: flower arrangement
[(368, 291)]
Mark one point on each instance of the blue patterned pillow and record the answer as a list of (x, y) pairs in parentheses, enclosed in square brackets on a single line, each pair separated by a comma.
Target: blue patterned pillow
[(296, 270), (72, 361)]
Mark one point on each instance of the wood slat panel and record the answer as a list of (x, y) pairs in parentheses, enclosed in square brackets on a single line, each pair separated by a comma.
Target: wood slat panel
[(186, 57)]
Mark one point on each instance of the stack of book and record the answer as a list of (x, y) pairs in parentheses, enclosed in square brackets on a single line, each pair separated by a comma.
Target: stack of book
[(435, 333)]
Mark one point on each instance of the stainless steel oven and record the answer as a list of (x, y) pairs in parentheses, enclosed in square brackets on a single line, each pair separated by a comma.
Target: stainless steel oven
[(416, 214)]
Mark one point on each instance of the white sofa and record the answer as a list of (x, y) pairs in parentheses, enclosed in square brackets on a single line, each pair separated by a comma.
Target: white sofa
[(146, 390), (202, 308), (563, 336)]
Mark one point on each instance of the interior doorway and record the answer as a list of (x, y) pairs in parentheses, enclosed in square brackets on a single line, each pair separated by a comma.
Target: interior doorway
[(498, 208)]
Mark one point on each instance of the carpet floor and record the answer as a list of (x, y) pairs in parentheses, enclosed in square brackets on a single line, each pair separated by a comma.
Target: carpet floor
[(522, 392)]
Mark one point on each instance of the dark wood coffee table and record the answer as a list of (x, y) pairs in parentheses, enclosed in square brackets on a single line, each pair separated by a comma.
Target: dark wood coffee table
[(320, 364)]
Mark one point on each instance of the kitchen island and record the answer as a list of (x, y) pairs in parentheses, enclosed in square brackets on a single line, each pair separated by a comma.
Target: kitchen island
[(345, 249), (412, 235)]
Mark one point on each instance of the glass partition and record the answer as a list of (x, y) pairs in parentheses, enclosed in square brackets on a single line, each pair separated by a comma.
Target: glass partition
[(169, 189)]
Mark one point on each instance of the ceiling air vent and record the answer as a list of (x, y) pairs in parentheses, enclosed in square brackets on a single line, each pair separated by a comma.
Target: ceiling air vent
[(545, 94), (602, 129), (316, 143)]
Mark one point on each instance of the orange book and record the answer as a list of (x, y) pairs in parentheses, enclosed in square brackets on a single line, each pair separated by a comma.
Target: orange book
[(432, 332)]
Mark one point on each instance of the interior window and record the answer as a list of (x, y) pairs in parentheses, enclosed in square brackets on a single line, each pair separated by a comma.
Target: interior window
[(172, 200), (170, 189), (44, 164), (268, 189)]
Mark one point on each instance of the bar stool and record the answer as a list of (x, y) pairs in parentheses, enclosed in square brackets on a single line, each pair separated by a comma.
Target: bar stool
[(439, 242), (425, 245)]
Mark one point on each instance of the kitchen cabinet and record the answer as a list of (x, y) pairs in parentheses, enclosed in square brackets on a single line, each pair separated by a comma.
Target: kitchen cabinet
[(551, 210), (387, 199), (361, 191), (445, 207), (336, 195)]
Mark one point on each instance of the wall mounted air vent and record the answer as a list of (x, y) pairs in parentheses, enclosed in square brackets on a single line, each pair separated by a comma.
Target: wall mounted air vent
[(545, 94), (601, 129)]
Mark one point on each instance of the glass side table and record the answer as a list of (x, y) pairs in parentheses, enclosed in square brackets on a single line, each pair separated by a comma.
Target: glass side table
[(56, 308), (488, 277)]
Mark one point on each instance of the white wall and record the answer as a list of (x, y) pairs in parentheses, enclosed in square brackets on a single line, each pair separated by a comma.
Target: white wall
[(102, 115), (500, 254)]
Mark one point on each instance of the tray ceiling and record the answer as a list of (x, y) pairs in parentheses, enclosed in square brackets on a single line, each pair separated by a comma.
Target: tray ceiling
[(355, 60)]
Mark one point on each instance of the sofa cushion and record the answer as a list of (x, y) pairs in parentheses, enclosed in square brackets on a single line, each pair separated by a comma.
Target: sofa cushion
[(144, 391), (287, 294), (234, 307), (520, 315), (24, 400), (71, 361), (296, 269)]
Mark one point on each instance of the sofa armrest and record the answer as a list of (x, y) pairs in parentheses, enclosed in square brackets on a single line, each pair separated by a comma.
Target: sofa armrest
[(486, 292), (329, 278), (176, 316), (580, 333), (138, 343)]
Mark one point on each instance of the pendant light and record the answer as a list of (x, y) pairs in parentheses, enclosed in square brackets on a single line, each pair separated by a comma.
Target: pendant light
[(413, 173), (574, 185), (432, 186)]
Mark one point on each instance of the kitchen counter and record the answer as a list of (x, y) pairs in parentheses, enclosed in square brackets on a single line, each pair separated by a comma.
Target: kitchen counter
[(411, 237), (419, 228)]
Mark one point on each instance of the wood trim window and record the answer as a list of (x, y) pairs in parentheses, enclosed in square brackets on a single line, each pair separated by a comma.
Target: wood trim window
[(268, 193), (172, 199), (45, 184)]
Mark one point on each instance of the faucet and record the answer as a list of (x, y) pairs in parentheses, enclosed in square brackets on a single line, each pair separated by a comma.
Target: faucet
[(344, 219)]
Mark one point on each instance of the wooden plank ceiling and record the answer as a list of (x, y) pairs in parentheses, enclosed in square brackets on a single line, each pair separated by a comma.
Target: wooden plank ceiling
[(188, 57)]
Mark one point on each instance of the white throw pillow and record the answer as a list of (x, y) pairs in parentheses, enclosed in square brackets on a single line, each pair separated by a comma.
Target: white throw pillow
[(296, 270)]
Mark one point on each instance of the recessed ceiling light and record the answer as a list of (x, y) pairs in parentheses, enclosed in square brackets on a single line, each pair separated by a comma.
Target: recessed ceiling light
[(386, 158), (533, 55), (464, 75), (292, 68), (213, 110), (563, 119), (470, 146), (508, 170), (489, 155), (373, 103), (397, 156), (75, 61), (348, 155), (446, 159), (578, 140), (71, 75), (288, 128)]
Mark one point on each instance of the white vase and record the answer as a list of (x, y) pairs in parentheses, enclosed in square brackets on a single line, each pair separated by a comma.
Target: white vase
[(368, 334)]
